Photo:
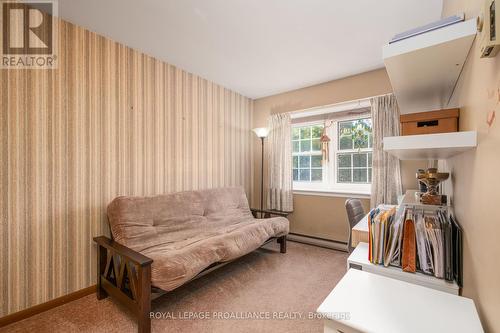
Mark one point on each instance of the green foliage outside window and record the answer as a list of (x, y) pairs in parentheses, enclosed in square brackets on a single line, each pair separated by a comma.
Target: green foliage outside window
[(359, 131)]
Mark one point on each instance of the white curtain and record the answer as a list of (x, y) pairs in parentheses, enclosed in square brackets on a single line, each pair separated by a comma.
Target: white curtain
[(386, 177), (279, 157)]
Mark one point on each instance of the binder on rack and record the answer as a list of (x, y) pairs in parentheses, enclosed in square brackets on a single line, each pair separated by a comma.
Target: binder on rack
[(409, 258), (380, 221), (457, 251), (448, 248), (424, 249)]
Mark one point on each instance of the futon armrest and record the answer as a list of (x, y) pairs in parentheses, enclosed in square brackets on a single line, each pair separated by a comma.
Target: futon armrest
[(268, 213), (128, 253)]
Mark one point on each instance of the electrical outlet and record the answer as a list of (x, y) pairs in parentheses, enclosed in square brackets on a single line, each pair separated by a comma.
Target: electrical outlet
[(490, 29)]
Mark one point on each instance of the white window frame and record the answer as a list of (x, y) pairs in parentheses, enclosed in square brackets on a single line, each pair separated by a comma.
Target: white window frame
[(329, 184), (310, 185)]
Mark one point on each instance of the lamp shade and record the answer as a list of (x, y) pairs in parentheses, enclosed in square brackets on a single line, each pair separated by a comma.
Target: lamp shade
[(261, 132)]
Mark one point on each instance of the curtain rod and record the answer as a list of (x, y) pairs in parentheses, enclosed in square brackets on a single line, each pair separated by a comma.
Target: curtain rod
[(362, 102)]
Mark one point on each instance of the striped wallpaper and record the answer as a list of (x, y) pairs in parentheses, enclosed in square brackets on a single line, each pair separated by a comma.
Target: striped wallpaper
[(109, 121)]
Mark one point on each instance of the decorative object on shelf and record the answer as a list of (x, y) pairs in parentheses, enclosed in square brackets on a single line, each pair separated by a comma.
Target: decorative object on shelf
[(325, 143), (421, 185), (262, 133), (431, 178)]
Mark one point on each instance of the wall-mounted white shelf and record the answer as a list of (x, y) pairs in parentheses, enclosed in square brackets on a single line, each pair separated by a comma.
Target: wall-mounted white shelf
[(410, 199), (359, 259), (424, 69), (430, 146)]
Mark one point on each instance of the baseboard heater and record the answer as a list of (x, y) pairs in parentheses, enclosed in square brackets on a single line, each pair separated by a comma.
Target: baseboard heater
[(322, 242)]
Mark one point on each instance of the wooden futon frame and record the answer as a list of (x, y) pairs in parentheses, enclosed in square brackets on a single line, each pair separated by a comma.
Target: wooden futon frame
[(125, 274)]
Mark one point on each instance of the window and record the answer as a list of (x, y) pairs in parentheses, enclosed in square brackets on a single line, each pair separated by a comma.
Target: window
[(306, 148), (354, 153), (349, 168)]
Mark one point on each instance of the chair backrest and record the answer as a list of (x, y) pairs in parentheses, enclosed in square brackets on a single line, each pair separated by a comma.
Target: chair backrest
[(355, 212)]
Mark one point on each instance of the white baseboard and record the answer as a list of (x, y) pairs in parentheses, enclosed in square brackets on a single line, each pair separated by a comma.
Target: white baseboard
[(317, 242)]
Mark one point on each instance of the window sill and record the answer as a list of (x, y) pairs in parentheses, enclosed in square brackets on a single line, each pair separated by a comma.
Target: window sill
[(333, 193)]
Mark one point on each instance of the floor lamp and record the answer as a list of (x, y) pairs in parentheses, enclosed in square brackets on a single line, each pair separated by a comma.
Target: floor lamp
[(261, 133)]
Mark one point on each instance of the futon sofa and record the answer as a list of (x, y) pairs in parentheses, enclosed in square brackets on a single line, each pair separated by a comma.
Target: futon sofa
[(161, 242)]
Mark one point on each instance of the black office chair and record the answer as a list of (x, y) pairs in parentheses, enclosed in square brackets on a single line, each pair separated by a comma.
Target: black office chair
[(355, 212)]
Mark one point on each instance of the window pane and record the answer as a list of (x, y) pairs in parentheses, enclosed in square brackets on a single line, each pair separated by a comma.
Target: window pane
[(316, 161), (359, 160), (344, 135), (344, 125), (345, 142), (361, 142), (295, 174), (316, 131), (295, 162), (361, 130), (304, 174), (369, 175), (369, 159), (316, 174), (295, 133), (304, 161), (368, 122), (305, 132), (344, 160), (359, 175), (359, 134), (305, 145), (355, 134), (344, 175), (296, 146), (316, 145)]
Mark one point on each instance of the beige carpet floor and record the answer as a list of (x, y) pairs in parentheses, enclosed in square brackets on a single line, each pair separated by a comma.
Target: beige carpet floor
[(265, 291)]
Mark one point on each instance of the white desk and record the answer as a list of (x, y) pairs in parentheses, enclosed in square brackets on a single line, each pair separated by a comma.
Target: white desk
[(360, 232), (375, 303)]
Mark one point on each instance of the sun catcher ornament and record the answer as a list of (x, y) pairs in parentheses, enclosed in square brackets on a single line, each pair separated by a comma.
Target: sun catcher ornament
[(325, 143)]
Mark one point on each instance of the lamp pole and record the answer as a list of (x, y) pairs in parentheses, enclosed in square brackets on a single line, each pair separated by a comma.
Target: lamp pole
[(261, 133), (262, 176)]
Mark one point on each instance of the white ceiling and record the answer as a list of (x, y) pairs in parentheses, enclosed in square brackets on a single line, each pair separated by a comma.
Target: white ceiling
[(256, 47)]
